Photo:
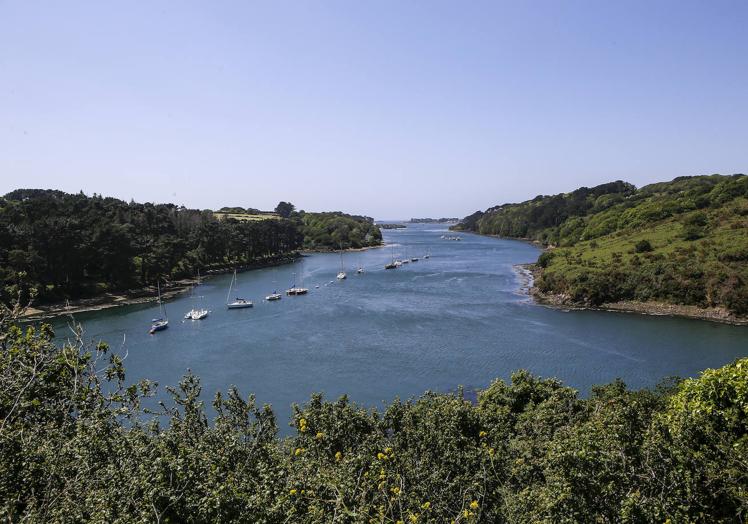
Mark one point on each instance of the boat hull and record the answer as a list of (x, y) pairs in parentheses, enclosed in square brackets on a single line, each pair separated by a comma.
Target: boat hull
[(158, 327), (243, 305)]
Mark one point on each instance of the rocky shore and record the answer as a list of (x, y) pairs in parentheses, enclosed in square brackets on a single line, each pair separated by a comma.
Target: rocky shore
[(532, 272)]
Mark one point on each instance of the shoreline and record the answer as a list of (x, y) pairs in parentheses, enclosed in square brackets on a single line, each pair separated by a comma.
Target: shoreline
[(305, 252), (141, 295), (657, 309)]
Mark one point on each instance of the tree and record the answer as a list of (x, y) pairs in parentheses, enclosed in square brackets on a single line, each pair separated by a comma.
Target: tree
[(643, 246), (284, 209)]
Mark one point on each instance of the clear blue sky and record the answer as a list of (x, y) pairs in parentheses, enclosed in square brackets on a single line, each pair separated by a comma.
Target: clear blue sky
[(388, 108)]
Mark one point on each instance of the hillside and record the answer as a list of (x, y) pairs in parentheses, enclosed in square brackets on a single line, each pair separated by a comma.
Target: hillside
[(62, 246), (679, 242)]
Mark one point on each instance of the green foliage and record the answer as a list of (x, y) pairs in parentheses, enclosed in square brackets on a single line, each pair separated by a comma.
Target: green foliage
[(63, 246), (643, 246), (336, 230), (284, 209), (72, 246), (76, 444), (689, 239)]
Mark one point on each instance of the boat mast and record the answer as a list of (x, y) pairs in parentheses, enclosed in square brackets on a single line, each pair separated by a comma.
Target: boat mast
[(231, 285), (160, 302)]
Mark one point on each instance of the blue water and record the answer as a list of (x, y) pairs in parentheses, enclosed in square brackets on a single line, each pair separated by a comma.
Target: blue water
[(458, 318)]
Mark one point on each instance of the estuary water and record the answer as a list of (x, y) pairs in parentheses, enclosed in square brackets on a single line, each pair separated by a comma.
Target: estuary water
[(457, 318)]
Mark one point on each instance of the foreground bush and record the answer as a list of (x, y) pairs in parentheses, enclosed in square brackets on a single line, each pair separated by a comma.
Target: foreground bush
[(77, 445)]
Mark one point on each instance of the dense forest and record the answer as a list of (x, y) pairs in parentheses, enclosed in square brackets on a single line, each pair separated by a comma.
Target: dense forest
[(66, 246), (336, 230), (77, 445), (682, 242)]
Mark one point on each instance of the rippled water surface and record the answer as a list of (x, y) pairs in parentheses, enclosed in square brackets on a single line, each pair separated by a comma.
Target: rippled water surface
[(457, 318)]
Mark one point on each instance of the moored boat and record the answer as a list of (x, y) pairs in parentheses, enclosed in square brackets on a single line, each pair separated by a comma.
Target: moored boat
[(161, 323), (341, 273), (238, 303), (295, 290)]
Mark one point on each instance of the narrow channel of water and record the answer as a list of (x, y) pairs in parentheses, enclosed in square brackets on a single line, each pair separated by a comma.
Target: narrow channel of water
[(457, 318)]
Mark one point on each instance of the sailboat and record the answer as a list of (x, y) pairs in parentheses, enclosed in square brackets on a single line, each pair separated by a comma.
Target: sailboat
[(197, 314), (341, 275), (427, 255), (294, 290), (360, 269), (238, 303), (161, 323), (392, 265)]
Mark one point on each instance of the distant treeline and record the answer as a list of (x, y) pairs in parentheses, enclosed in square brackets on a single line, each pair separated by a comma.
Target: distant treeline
[(243, 210), (683, 242), (76, 445), (67, 246), (392, 226), (432, 220)]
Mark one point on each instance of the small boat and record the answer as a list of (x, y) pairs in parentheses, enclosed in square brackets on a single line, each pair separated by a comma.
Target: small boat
[(414, 259), (341, 274), (427, 255), (394, 264), (273, 296), (398, 263), (295, 290), (196, 314), (360, 270), (161, 323), (238, 303)]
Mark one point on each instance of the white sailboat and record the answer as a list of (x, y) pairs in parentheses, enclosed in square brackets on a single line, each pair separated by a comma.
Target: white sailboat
[(238, 303), (393, 264), (295, 290), (341, 274), (161, 323), (196, 313)]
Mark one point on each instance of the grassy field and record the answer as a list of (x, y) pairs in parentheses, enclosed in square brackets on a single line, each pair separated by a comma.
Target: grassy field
[(246, 217)]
